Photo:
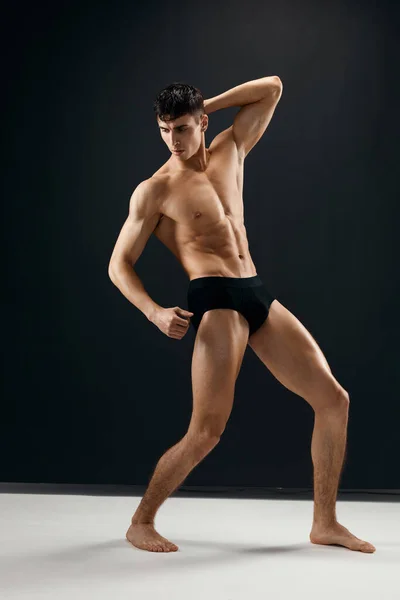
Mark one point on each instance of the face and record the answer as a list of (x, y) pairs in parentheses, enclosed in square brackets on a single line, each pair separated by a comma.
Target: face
[(183, 134)]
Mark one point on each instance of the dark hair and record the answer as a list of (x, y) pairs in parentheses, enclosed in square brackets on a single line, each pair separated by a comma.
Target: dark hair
[(179, 99)]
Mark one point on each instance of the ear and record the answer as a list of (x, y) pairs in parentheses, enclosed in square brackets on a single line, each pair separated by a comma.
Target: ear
[(204, 122)]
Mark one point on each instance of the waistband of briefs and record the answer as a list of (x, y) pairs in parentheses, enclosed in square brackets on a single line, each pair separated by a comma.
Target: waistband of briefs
[(241, 282)]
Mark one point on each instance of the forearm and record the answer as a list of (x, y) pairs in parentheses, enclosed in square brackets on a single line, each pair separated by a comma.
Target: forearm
[(242, 94), (130, 285)]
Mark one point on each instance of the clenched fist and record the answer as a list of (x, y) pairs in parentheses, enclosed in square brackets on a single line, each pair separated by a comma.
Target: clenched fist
[(174, 322)]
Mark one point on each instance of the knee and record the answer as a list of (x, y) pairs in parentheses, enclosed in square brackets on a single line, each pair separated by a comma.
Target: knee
[(340, 400), (343, 397), (206, 436), (334, 397)]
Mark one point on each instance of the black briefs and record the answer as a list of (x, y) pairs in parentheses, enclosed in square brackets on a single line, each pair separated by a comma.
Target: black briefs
[(247, 295)]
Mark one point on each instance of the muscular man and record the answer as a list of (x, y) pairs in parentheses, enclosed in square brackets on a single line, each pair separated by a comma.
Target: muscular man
[(194, 205)]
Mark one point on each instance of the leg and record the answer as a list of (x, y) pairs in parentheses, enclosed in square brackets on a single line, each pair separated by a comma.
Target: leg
[(218, 352), (292, 355)]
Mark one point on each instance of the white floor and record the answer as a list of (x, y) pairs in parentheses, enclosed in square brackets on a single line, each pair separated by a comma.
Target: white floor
[(74, 546)]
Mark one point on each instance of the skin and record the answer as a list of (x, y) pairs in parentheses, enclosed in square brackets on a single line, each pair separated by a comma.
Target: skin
[(202, 225)]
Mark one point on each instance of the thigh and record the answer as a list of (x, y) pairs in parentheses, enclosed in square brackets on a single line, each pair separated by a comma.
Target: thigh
[(218, 352), (293, 356)]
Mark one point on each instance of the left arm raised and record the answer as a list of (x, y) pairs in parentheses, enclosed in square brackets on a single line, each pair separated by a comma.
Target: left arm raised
[(258, 100)]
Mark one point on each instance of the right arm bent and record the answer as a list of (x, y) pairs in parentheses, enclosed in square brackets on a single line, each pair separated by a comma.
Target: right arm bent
[(142, 220)]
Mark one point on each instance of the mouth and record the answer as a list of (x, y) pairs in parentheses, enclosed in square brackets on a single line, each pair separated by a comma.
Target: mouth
[(177, 151)]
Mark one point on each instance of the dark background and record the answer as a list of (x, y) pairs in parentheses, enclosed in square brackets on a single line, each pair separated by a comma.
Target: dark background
[(93, 392)]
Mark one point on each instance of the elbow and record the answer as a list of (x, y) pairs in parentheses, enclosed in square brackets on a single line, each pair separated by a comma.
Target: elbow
[(116, 268), (276, 85), (273, 88), (277, 82), (111, 272)]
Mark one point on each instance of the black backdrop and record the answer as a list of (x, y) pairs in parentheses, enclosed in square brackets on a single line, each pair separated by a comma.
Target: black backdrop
[(93, 392)]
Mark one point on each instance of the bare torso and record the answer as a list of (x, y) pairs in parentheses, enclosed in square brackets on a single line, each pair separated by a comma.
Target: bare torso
[(202, 215)]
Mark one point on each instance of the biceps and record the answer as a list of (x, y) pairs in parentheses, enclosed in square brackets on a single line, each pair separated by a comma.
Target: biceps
[(133, 238), (252, 120)]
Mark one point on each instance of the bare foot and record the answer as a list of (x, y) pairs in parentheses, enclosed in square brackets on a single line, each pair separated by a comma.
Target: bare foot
[(338, 535), (145, 537)]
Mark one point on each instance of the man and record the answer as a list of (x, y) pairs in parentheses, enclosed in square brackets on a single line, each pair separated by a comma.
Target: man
[(194, 205)]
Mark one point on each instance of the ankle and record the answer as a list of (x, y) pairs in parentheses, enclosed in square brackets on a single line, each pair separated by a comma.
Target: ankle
[(142, 521), (324, 523)]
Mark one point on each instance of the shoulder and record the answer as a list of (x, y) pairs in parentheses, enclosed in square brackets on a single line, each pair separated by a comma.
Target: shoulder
[(154, 186), (153, 183), (149, 194)]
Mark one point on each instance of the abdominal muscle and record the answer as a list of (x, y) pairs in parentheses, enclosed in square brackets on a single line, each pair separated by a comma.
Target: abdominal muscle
[(208, 250), (201, 266)]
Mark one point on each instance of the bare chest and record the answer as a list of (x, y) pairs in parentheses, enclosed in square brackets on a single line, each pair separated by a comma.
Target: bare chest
[(200, 200)]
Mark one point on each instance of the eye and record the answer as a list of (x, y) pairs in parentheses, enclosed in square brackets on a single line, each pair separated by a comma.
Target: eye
[(178, 129)]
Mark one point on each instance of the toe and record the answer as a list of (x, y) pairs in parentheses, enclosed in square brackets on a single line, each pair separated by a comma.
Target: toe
[(367, 547)]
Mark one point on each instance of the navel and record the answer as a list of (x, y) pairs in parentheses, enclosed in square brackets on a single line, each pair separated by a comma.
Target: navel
[(197, 214)]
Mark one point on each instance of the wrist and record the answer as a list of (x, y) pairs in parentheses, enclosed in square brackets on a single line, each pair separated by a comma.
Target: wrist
[(208, 106), (152, 312)]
